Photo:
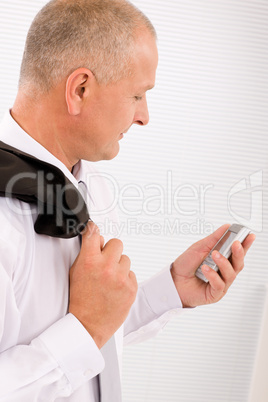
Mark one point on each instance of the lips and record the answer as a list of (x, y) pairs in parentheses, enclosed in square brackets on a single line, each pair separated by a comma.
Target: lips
[(122, 134)]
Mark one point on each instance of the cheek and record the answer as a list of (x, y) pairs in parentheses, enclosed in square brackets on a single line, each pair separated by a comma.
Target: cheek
[(115, 116), (127, 115)]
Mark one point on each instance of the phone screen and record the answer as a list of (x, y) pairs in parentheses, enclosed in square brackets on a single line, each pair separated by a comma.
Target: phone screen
[(226, 240)]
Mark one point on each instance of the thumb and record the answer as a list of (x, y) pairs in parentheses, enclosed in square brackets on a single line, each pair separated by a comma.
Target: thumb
[(200, 250), (209, 242)]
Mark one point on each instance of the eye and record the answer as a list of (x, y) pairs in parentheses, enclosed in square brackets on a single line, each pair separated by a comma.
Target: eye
[(138, 98)]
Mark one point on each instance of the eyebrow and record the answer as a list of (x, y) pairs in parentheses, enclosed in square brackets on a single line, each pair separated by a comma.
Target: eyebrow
[(145, 89)]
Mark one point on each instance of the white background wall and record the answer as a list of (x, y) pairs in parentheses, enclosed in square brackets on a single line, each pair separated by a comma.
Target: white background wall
[(207, 135)]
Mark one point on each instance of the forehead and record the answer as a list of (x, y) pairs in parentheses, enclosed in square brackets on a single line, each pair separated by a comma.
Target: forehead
[(143, 70), (145, 61)]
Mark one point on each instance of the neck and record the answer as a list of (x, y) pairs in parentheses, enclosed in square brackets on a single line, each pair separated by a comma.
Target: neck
[(45, 121)]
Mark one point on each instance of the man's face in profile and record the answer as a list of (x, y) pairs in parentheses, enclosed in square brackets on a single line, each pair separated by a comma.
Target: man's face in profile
[(113, 108)]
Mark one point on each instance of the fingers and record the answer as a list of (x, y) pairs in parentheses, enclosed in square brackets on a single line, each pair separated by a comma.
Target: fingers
[(247, 243), (93, 243), (222, 280), (204, 246), (91, 239), (237, 258), (114, 248), (125, 261), (124, 272), (219, 282), (101, 242), (216, 283), (210, 241), (239, 251), (228, 271), (125, 264)]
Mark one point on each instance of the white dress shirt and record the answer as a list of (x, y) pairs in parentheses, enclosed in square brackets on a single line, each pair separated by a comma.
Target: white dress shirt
[(46, 353)]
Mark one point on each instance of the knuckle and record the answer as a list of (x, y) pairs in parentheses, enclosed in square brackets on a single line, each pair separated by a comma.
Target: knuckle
[(116, 246), (241, 267), (233, 277), (120, 280), (220, 287), (133, 297), (92, 228), (230, 276), (125, 260), (108, 270), (133, 293), (117, 242), (134, 282)]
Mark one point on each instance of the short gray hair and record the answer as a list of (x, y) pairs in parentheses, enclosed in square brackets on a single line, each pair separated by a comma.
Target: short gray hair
[(69, 34)]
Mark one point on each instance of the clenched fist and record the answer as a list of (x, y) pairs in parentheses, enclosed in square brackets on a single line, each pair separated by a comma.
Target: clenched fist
[(102, 286)]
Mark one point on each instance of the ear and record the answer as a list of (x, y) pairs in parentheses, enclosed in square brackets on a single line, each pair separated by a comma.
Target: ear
[(78, 89)]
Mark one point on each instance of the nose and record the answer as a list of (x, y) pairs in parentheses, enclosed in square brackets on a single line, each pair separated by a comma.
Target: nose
[(141, 116)]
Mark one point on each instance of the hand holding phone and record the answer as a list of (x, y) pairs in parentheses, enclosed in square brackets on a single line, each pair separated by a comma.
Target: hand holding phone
[(235, 232)]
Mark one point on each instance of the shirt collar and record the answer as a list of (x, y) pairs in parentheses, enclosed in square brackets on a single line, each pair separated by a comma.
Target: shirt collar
[(12, 134)]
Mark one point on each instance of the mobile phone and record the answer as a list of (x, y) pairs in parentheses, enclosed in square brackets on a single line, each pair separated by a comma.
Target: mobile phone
[(235, 232)]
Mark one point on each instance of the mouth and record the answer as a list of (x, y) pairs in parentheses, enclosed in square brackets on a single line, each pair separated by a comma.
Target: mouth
[(122, 134)]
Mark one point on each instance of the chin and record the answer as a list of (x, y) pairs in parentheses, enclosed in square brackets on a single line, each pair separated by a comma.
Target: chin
[(103, 156), (111, 154)]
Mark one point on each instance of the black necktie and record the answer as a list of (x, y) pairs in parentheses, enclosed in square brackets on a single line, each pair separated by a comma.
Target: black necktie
[(62, 211)]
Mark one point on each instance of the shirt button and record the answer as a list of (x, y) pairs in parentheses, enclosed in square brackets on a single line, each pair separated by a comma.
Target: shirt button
[(88, 373), (142, 331), (173, 312), (164, 299)]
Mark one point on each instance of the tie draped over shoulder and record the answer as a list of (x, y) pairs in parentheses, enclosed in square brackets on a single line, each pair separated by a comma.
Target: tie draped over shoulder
[(62, 211)]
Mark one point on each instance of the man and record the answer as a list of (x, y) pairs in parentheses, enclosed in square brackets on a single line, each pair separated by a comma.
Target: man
[(85, 72)]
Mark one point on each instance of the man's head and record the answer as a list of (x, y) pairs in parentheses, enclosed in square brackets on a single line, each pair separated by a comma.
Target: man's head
[(86, 69), (68, 34)]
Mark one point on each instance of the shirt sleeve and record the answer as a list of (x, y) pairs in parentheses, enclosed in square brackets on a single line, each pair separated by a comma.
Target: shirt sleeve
[(53, 365), (156, 303)]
